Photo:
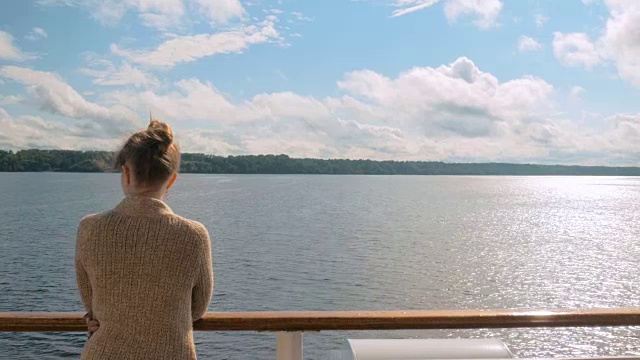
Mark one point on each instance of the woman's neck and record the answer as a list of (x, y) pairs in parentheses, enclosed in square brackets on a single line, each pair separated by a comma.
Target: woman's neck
[(146, 193)]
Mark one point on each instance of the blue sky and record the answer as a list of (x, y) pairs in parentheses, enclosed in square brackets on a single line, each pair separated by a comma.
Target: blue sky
[(455, 80)]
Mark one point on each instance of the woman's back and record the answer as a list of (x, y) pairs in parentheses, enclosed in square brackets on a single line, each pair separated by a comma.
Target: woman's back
[(145, 275)]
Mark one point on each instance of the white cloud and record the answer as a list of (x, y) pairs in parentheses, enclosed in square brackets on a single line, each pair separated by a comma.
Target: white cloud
[(106, 74), (40, 32), (277, 144), (280, 74), (485, 11), (540, 20), (219, 11), (576, 49), (409, 6), (424, 113), (55, 96), (618, 43), (626, 130), (206, 141), (10, 99), (300, 16), (191, 100), (457, 98), (159, 14), (575, 94), (621, 38), (193, 47), (451, 112), (37, 34), (526, 43), (8, 51), (29, 132)]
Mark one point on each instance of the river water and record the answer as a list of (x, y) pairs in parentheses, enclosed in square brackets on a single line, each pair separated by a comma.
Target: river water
[(353, 243)]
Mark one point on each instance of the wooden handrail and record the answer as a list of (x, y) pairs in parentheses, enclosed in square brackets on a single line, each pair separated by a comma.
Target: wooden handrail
[(354, 320)]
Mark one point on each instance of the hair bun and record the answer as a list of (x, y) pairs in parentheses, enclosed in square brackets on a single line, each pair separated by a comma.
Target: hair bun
[(161, 132)]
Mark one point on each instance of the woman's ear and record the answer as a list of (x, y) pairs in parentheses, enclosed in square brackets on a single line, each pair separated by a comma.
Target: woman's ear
[(127, 174), (172, 180)]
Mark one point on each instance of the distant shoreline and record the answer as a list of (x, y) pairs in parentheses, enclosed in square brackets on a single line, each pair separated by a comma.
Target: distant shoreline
[(100, 161), (336, 175)]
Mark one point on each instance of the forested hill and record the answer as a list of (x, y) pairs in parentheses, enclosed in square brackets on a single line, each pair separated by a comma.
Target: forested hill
[(101, 161)]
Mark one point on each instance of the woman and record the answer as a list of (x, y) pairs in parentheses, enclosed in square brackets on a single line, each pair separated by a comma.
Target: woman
[(144, 273)]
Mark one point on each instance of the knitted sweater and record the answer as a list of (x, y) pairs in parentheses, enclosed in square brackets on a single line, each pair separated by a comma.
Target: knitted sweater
[(145, 274)]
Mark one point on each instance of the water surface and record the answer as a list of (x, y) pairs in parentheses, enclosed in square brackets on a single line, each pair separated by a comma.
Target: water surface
[(353, 243)]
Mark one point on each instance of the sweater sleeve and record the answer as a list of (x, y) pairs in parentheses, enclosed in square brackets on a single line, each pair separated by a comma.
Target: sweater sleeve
[(82, 277), (203, 285)]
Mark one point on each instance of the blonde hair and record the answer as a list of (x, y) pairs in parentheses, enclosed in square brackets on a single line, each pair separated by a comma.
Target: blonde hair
[(152, 154)]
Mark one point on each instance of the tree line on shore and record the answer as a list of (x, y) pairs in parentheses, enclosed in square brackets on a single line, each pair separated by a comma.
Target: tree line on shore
[(102, 161)]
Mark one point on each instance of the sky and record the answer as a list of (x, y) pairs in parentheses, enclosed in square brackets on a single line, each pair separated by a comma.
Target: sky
[(527, 81)]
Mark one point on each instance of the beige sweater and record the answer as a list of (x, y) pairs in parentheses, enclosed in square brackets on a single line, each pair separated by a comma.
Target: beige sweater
[(145, 274)]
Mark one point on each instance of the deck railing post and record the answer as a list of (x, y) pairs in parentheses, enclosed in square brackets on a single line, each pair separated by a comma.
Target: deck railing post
[(289, 346)]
